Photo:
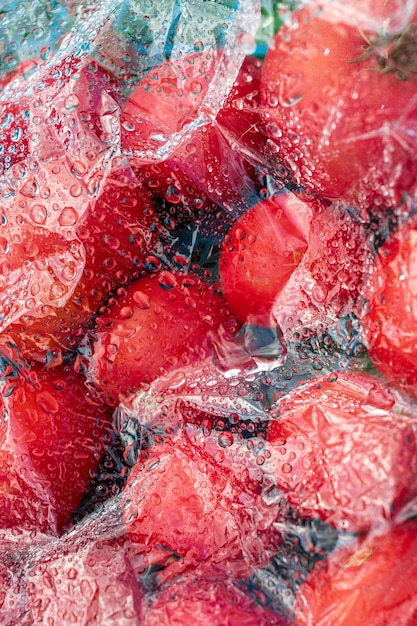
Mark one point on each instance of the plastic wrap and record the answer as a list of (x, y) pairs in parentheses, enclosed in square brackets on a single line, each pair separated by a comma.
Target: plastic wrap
[(207, 313)]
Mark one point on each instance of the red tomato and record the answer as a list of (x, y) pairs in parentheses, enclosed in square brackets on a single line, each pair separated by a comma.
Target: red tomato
[(373, 581), (63, 583), (339, 102), (167, 99), (215, 161), (285, 255), (200, 602), (117, 233), (260, 253), (160, 323), (181, 502), (390, 326), (74, 111), (53, 437), (343, 450)]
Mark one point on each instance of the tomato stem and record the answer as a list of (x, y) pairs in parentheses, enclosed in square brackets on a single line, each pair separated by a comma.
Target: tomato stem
[(394, 53)]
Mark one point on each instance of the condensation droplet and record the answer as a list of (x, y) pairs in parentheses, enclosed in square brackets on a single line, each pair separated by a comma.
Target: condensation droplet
[(68, 217), (76, 190), (56, 291), (30, 189), (225, 440), (69, 271), (142, 300), (71, 102), (167, 280), (38, 214)]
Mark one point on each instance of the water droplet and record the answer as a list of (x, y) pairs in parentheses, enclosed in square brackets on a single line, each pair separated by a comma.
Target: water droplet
[(68, 217), (76, 190), (196, 87), (71, 102), (38, 214), (126, 312), (47, 402), (225, 440), (69, 272), (142, 300), (286, 468), (198, 46), (56, 291), (166, 280), (30, 189)]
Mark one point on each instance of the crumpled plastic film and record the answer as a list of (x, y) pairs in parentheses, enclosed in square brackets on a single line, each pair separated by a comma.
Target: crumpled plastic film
[(69, 110)]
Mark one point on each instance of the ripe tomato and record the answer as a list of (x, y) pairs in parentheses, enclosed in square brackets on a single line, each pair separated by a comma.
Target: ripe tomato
[(390, 325), (60, 585), (203, 601), (74, 110), (339, 102), (53, 437), (181, 503), (116, 233), (341, 450), (215, 160), (71, 108), (167, 99), (373, 581), (286, 258), (260, 253), (160, 323)]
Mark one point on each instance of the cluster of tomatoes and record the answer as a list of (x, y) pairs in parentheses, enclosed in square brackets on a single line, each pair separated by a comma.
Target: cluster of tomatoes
[(208, 333)]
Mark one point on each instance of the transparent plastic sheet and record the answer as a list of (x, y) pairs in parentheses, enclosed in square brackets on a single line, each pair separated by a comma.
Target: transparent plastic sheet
[(46, 160), (251, 476)]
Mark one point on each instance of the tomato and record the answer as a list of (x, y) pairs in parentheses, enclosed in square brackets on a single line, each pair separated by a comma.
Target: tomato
[(342, 450), (260, 254), (72, 108), (331, 94), (116, 233), (53, 435), (286, 257), (373, 581), (390, 321), (160, 323), (59, 586), (211, 161), (74, 111), (183, 510), (166, 99), (202, 601)]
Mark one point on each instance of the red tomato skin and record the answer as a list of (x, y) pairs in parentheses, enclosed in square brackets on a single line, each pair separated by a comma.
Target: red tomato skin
[(162, 322), (55, 436), (216, 161), (167, 99), (117, 232), (260, 253), (373, 581), (180, 501), (390, 322), (291, 258), (341, 452), (334, 116), (202, 602)]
